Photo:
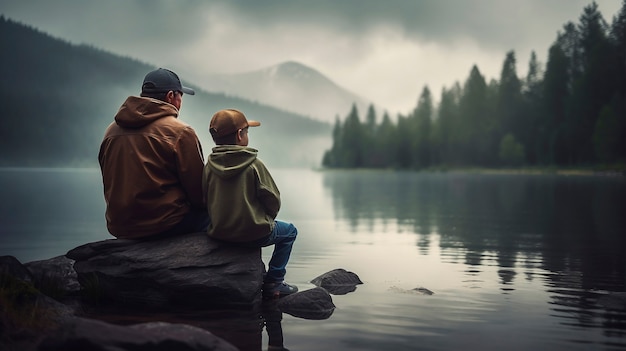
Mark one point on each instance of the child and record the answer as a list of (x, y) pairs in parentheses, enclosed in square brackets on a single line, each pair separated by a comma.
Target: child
[(243, 200)]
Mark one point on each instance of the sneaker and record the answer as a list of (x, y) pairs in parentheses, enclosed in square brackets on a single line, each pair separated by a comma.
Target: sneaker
[(274, 290)]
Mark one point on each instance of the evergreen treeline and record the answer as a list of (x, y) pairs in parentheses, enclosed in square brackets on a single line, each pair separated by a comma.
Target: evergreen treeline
[(57, 98), (570, 113)]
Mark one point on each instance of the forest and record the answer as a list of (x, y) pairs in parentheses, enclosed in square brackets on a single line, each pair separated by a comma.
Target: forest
[(570, 112), (59, 97)]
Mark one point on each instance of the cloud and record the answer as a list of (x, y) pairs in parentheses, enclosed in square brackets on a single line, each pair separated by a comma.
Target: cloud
[(385, 51), (494, 24)]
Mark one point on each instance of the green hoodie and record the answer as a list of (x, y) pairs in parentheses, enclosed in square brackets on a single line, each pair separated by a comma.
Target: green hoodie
[(240, 194)]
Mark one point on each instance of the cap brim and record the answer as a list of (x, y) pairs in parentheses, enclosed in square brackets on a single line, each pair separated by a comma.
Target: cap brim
[(188, 91), (254, 123)]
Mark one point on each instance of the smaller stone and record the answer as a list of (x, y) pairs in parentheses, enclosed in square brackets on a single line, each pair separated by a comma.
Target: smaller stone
[(423, 291), (338, 281), (56, 273), (12, 267), (315, 304)]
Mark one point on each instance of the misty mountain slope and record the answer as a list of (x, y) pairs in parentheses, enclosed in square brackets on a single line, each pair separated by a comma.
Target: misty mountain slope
[(292, 86), (283, 139), (58, 98)]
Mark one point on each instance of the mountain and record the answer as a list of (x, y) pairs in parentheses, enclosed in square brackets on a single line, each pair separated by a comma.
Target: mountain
[(291, 86), (58, 98)]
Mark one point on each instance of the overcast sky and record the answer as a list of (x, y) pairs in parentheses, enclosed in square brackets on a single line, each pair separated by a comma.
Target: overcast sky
[(384, 50)]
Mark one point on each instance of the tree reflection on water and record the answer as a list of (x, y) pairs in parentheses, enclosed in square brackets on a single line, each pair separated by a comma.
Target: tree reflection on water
[(567, 231)]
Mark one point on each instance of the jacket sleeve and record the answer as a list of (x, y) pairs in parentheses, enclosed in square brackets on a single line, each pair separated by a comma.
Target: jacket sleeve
[(190, 165), (267, 191)]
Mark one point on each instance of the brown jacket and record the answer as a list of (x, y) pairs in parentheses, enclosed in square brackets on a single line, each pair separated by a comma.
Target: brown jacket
[(151, 165)]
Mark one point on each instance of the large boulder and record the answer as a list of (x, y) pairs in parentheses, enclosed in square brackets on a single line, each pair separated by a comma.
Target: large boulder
[(190, 270), (85, 334)]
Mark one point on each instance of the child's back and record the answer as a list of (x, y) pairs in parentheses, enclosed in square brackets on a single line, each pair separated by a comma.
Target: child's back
[(243, 200)]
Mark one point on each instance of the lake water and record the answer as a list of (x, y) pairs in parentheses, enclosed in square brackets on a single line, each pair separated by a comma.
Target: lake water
[(515, 262)]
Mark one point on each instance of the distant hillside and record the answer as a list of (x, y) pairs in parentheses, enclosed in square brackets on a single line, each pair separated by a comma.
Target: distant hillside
[(58, 98), (291, 86)]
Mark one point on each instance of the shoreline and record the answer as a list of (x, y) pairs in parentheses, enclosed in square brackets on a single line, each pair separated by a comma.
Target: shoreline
[(618, 171), (606, 172)]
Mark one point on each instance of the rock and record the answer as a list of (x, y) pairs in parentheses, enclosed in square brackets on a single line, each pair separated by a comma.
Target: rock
[(20, 285), (190, 270), (81, 334), (423, 291), (414, 291), (11, 266), (56, 273), (34, 321), (27, 314), (338, 281), (314, 303)]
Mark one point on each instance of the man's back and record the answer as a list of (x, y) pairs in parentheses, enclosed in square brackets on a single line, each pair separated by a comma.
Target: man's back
[(151, 165)]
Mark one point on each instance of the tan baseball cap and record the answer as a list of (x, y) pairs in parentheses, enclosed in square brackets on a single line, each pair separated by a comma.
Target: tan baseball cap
[(229, 121)]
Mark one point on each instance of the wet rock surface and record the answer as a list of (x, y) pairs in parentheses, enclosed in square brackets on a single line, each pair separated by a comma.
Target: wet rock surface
[(190, 270)]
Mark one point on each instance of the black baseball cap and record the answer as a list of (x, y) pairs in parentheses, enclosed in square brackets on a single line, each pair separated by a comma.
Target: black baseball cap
[(163, 80)]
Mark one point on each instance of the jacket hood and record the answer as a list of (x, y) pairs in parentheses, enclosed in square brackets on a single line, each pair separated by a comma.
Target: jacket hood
[(229, 160), (136, 111)]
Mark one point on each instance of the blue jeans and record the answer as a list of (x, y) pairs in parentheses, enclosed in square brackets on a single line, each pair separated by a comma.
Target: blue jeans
[(282, 237)]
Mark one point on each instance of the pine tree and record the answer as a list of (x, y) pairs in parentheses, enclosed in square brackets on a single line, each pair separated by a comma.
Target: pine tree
[(422, 126), (555, 96), (509, 109), (618, 40), (387, 143), (331, 157), (606, 136), (370, 139), (536, 133), (352, 141), (472, 131), (596, 83), (404, 142)]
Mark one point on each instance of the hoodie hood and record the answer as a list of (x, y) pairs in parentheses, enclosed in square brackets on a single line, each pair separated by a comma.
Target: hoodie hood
[(229, 160), (136, 111)]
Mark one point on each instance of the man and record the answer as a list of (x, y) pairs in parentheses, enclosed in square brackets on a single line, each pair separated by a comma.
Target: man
[(243, 199), (152, 163)]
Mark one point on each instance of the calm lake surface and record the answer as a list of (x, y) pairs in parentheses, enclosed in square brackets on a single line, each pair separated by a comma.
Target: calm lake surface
[(515, 262)]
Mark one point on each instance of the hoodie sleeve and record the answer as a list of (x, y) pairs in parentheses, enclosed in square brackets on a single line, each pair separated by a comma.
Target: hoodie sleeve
[(190, 165), (267, 191)]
